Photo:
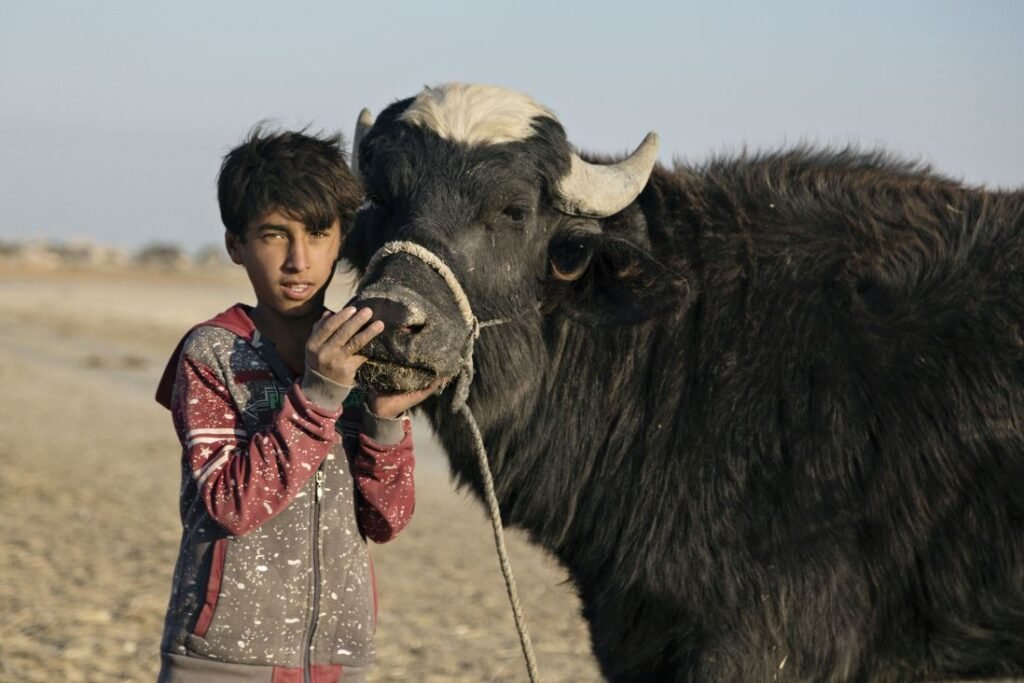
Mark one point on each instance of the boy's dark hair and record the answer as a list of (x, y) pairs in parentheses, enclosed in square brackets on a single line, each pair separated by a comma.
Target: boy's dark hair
[(305, 176)]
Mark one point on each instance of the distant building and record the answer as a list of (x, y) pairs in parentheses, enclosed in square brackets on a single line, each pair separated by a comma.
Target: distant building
[(163, 256)]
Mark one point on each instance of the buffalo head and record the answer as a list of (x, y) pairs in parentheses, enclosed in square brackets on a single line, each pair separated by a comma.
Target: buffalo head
[(486, 180)]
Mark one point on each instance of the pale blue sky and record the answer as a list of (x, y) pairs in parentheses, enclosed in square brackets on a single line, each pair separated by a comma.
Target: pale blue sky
[(114, 115)]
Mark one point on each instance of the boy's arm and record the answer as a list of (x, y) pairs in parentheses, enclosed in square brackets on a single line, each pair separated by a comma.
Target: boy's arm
[(383, 468), (245, 479)]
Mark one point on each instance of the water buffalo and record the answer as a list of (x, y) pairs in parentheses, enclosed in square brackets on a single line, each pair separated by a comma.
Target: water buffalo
[(768, 411)]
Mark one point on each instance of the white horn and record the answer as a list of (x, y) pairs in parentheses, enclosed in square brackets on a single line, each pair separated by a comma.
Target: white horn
[(599, 190), (363, 124)]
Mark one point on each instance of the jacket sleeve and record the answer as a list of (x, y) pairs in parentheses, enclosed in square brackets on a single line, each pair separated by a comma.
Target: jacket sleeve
[(245, 479), (384, 478)]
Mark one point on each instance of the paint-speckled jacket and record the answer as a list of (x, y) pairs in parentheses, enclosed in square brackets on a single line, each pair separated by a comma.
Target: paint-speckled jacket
[(280, 487)]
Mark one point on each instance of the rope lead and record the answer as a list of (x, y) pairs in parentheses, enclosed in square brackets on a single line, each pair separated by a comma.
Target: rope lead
[(460, 405)]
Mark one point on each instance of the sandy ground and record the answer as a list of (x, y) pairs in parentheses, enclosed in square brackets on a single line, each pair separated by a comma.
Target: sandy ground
[(88, 505)]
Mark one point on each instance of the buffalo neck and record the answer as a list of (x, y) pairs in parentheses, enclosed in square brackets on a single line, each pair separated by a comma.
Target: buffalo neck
[(568, 413)]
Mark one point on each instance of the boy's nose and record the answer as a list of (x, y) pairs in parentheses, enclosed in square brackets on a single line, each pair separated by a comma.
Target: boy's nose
[(298, 257)]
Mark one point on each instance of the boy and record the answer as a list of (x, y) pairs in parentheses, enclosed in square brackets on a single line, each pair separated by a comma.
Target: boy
[(281, 484)]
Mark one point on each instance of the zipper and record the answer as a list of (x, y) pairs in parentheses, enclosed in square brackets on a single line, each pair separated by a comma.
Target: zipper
[(315, 613)]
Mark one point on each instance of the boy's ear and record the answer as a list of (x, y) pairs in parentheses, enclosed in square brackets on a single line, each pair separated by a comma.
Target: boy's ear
[(231, 243)]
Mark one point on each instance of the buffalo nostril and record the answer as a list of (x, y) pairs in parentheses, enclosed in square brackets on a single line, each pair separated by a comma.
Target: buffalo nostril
[(399, 318)]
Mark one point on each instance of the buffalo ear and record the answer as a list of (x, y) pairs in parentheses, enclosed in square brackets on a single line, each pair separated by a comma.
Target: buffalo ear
[(355, 249), (599, 279)]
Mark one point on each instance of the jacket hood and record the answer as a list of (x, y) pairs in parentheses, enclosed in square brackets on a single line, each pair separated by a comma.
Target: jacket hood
[(235, 319)]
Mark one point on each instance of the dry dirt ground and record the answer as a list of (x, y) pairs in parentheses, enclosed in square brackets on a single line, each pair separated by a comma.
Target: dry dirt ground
[(88, 496)]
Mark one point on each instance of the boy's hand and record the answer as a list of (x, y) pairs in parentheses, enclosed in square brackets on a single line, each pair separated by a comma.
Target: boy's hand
[(333, 346), (393, 405)]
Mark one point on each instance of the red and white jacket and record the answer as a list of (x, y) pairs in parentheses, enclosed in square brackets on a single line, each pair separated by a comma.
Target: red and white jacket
[(281, 485)]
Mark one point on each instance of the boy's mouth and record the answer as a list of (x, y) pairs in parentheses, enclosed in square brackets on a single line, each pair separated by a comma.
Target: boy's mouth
[(297, 290)]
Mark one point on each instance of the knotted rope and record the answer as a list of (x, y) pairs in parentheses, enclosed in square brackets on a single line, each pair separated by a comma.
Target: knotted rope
[(459, 405)]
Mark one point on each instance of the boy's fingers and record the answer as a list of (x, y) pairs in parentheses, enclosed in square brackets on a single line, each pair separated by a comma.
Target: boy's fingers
[(348, 329), (359, 360), (328, 325), (353, 342)]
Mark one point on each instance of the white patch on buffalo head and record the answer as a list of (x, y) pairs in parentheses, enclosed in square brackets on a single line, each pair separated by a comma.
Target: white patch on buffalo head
[(475, 114)]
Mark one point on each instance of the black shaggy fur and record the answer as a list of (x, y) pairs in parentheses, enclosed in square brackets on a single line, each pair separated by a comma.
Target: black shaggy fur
[(775, 431)]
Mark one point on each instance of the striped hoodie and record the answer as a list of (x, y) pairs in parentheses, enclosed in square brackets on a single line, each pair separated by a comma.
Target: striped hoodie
[(281, 485)]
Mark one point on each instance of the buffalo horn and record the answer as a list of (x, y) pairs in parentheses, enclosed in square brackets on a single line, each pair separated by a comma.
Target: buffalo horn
[(363, 124), (599, 190)]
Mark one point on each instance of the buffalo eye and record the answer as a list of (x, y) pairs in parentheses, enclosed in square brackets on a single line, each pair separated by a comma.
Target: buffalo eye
[(373, 202), (515, 213), (569, 261)]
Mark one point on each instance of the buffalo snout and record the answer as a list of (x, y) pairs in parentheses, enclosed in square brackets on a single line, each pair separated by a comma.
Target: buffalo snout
[(399, 317), (424, 333)]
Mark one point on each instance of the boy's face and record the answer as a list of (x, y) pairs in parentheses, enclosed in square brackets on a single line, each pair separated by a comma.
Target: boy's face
[(288, 264)]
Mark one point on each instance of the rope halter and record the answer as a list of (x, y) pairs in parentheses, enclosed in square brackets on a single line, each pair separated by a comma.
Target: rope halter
[(459, 405), (473, 326)]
